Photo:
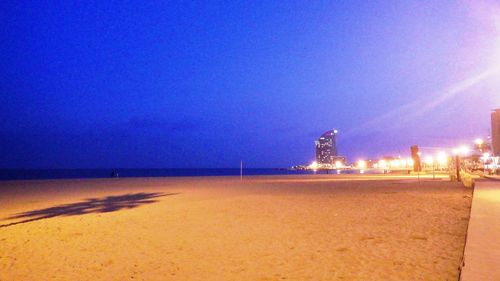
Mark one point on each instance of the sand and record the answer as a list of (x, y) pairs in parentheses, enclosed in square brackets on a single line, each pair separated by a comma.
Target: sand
[(264, 228)]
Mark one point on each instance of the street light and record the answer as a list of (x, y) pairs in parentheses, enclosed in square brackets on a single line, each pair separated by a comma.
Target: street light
[(464, 150), (429, 160), (314, 165), (361, 164), (479, 143), (442, 158), (395, 163)]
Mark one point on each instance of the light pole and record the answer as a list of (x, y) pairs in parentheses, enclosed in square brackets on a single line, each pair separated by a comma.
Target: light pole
[(432, 162), (457, 166), (480, 145), (456, 152)]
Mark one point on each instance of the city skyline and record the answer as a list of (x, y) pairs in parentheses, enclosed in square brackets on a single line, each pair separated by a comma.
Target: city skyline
[(208, 84)]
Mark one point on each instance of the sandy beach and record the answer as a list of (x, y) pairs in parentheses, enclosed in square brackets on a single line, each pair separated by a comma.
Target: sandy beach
[(221, 228)]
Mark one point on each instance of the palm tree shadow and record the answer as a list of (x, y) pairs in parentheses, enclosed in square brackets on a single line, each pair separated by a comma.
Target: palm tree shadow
[(88, 206)]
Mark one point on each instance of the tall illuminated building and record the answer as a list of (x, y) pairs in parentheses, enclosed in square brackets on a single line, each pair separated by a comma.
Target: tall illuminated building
[(495, 131), (326, 147)]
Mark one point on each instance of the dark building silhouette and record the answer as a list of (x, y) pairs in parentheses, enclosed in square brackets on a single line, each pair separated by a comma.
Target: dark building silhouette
[(495, 132), (326, 148)]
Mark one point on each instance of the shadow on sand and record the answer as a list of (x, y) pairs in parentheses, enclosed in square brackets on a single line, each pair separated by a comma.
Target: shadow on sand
[(91, 205)]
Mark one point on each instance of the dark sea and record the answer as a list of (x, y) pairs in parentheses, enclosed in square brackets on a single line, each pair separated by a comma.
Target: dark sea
[(130, 173)]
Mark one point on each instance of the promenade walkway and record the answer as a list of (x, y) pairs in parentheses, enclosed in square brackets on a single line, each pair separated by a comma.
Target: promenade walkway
[(493, 177), (482, 249)]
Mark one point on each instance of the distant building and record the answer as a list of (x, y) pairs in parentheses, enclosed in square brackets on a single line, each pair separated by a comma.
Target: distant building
[(495, 131), (326, 148)]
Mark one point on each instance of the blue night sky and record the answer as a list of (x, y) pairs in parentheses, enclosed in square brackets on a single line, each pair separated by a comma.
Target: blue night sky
[(142, 84)]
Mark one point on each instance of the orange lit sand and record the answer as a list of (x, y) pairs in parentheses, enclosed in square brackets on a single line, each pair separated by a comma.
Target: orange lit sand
[(266, 228)]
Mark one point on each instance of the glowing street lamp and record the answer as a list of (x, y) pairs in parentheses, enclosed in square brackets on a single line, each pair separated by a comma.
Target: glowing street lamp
[(314, 165), (480, 144), (464, 150), (429, 160), (395, 163), (442, 158), (461, 150), (485, 157), (362, 164)]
